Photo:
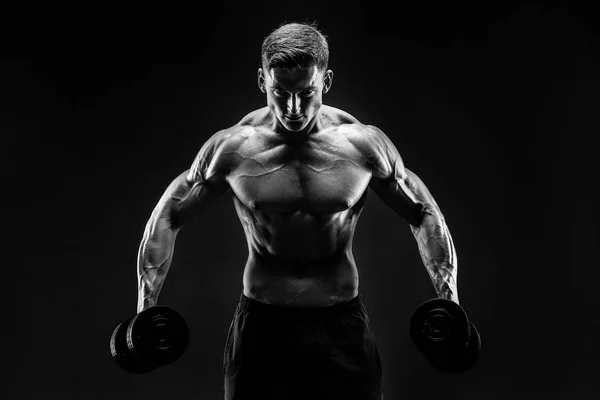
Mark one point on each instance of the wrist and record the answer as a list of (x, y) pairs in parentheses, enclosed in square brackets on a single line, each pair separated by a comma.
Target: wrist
[(448, 295), (145, 303)]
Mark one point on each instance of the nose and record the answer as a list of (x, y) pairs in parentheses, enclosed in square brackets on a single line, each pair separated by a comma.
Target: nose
[(293, 106)]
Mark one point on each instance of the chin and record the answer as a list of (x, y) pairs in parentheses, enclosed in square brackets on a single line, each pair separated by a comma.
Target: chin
[(293, 127)]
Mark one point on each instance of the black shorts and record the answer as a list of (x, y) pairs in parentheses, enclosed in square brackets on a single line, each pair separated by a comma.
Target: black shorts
[(285, 353)]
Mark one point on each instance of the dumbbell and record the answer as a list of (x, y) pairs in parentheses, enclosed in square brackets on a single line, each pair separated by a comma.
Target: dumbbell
[(441, 330), (150, 339)]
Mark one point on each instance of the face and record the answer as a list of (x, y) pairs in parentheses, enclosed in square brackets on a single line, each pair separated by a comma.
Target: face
[(294, 96)]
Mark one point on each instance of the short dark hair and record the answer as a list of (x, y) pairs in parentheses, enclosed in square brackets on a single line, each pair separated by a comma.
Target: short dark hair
[(295, 45)]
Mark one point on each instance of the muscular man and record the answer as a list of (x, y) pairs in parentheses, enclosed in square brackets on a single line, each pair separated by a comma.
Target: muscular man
[(298, 171)]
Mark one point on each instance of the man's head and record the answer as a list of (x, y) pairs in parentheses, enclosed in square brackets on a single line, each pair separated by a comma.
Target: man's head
[(294, 73)]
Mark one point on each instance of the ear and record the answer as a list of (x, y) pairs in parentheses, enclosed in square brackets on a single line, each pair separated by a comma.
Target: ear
[(327, 80), (261, 81)]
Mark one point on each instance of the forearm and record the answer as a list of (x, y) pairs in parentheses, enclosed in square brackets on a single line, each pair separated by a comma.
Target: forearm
[(154, 259), (438, 252)]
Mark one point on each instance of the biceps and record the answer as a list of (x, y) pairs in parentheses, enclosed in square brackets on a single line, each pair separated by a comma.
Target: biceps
[(416, 185), (184, 199), (407, 196)]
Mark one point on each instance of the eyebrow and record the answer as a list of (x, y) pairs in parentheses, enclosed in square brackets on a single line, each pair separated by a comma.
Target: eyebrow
[(275, 86)]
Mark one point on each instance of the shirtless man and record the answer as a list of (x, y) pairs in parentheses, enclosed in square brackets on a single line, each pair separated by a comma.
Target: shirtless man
[(298, 171)]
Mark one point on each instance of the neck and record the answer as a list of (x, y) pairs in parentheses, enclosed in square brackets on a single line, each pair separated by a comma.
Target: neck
[(313, 126)]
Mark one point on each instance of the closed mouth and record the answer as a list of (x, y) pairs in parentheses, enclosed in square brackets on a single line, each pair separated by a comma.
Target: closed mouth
[(294, 118)]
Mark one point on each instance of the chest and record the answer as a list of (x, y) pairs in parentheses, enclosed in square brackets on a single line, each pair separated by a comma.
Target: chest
[(318, 177)]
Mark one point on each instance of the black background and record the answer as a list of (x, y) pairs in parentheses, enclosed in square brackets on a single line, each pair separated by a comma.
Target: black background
[(494, 106)]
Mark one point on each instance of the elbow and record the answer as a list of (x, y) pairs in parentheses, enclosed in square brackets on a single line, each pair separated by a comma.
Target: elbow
[(174, 219), (423, 212), (166, 217), (417, 215)]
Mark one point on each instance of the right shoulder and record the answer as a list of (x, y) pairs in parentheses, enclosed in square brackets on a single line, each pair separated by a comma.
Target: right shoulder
[(257, 118), (217, 156), (214, 159)]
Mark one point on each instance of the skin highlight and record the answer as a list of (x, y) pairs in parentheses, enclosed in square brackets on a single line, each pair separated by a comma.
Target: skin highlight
[(298, 172)]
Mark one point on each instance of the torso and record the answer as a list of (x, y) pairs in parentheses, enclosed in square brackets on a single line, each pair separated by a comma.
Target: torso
[(299, 204)]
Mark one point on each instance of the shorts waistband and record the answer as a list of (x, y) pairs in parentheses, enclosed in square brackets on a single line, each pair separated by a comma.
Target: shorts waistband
[(248, 304)]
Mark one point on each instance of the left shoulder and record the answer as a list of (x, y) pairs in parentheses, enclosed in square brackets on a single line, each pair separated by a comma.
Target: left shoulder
[(337, 117), (377, 148)]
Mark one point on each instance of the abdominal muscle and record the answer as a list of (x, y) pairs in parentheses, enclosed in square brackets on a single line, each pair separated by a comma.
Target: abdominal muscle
[(301, 260)]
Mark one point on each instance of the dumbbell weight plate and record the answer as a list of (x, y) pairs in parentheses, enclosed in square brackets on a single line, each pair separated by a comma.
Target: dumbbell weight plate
[(121, 354), (158, 335), (439, 324), (473, 348), (460, 361)]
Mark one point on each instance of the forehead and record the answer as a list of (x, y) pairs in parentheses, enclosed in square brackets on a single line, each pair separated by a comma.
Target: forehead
[(294, 78)]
